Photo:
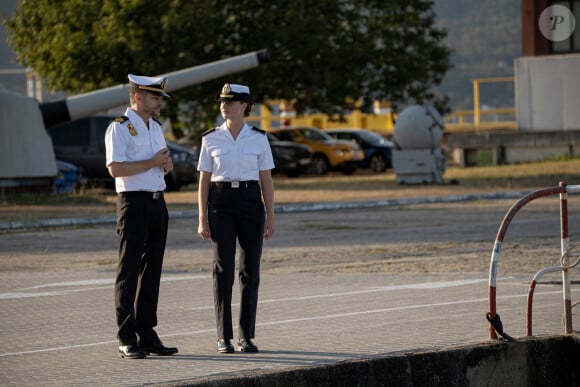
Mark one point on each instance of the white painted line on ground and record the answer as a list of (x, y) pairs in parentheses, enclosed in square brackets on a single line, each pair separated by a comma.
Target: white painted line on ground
[(289, 321), (80, 287), (426, 285)]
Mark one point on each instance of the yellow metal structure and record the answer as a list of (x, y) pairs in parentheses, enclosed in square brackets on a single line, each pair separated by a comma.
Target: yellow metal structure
[(476, 103), (475, 120), (489, 120), (378, 123)]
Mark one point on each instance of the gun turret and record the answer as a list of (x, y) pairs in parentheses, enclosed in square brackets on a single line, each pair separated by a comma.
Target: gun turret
[(84, 105), (26, 153)]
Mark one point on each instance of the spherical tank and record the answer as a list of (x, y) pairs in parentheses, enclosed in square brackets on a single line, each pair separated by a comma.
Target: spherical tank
[(418, 127)]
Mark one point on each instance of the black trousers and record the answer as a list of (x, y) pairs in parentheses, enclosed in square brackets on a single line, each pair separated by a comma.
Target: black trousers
[(142, 228), (236, 215)]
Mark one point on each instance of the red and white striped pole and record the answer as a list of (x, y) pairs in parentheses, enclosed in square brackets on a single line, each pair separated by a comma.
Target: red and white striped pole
[(565, 243), (533, 284), (492, 295)]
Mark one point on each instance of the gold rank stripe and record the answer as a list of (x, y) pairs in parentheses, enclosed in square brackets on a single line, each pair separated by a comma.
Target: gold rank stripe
[(156, 89)]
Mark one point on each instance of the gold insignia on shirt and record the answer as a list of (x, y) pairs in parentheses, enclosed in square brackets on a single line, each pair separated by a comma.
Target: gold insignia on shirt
[(132, 130)]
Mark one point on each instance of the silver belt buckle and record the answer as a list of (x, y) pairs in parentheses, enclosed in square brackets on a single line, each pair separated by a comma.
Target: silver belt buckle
[(156, 195), (235, 184)]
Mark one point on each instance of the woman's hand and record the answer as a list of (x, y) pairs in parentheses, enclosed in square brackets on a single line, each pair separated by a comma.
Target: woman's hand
[(269, 228), (203, 229)]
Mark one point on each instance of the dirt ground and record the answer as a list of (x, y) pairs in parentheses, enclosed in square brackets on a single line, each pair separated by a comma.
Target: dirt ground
[(426, 238), (422, 238), (186, 199)]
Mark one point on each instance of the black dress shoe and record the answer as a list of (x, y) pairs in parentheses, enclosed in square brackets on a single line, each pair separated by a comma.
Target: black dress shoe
[(246, 345), (225, 346), (157, 348), (131, 352)]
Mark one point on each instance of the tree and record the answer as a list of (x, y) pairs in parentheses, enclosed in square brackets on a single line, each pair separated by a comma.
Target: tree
[(325, 55)]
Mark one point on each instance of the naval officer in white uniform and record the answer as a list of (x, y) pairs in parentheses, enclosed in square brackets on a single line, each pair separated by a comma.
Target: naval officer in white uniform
[(138, 159), (236, 205)]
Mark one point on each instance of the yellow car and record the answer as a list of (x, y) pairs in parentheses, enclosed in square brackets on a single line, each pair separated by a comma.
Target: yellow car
[(327, 153)]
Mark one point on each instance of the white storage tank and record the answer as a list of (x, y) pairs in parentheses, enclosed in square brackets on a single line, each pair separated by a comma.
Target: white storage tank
[(417, 157)]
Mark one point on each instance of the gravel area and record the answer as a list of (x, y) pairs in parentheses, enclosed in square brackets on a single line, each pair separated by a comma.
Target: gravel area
[(425, 238)]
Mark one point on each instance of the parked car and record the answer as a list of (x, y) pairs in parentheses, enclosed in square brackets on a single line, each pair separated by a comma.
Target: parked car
[(69, 178), (328, 153), (82, 143), (290, 158), (378, 150), (184, 167)]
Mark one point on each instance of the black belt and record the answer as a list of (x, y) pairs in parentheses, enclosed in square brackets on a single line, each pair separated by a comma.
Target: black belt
[(142, 194), (235, 184)]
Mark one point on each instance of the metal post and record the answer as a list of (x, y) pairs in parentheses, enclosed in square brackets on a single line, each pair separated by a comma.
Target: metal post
[(476, 112), (476, 97), (265, 116), (565, 243), (492, 295), (533, 284), (30, 91), (38, 87)]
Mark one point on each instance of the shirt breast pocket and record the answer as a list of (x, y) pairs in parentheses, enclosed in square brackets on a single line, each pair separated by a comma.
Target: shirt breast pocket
[(141, 149), (250, 160), (220, 157)]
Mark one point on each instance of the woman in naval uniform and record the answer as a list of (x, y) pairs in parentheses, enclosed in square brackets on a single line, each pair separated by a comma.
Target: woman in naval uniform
[(235, 186)]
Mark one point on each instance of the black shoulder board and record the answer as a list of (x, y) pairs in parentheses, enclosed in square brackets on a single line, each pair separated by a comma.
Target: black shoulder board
[(156, 120), (208, 131), (259, 130), (121, 119)]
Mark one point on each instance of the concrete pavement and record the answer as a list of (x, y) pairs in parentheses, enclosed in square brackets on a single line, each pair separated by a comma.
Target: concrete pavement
[(58, 329)]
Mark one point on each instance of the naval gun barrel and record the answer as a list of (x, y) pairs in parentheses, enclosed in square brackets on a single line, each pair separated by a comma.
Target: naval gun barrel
[(84, 105)]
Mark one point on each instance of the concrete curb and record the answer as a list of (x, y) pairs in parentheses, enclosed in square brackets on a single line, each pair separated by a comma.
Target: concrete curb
[(279, 208), (531, 361)]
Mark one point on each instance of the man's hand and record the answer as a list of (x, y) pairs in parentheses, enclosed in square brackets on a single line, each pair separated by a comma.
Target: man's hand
[(130, 168), (161, 157), (168, 165)]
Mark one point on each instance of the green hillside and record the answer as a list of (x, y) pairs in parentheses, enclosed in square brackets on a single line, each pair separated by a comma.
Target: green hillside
[(486, 38)]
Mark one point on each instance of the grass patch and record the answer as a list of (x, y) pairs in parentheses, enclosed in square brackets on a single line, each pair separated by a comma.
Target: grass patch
[(336, 182), (550, 169), (107, 262), (48, 199), (524, 175)]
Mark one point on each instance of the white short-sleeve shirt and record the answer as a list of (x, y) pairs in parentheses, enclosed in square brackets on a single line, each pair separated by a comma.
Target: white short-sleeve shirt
[(235, 160), (133, 141)]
